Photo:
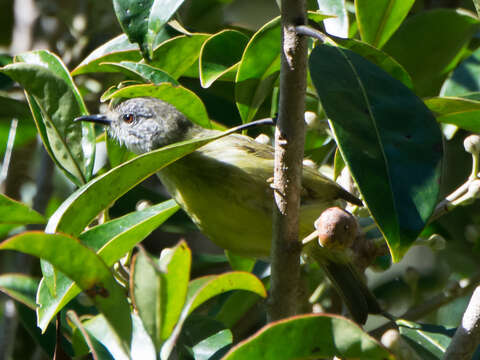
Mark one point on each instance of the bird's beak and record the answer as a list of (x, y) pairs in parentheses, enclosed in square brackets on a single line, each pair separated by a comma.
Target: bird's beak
[(95, 118)]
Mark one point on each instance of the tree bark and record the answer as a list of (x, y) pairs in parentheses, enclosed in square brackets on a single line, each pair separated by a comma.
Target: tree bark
[(289, 144)]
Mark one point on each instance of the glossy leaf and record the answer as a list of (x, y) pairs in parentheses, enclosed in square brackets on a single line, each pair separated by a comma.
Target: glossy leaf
[(236, 307), (177, 55), (338, 25), (316, 336), (463, 113), (219, 54), (146, 290), (258, 69), (379, 58), (465, 79), (430, 341), (211, 346), (143, 20), (176, 264), (378, 20), (14, 212), (141, 347), (116, 50), (429, 58), (142, 72), (186, 101), (55, 102), (202, 289), (20, 287), (111, 241), (239, 262), (380, 126), (84, 267)]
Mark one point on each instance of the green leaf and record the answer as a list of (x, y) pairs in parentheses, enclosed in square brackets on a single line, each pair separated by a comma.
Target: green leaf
[(429, 58), (141, 72), (111, 241), (185, 100), (202, 289), (84, 267), (380, 126), (379, 58), (239, 262), (143, 20), (20, 287), (116, 50), (316, 336), (465, 79), (141, 346), (14, 212), (209, 347), (177, 55), (117, 154), (147, 296), (430, 341), (258, 69), (220, 54), (236, 307), (378, 20), (55, 102), (463, 113), (176, 264), (337, 26)]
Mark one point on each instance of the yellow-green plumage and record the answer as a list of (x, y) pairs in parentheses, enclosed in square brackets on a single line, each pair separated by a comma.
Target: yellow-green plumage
[(225, 188)]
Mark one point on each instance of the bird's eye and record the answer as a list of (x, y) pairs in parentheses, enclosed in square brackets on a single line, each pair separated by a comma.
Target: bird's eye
[(128, 118)]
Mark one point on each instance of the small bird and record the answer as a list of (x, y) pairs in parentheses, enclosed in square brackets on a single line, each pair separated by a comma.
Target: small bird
[(225, 188)]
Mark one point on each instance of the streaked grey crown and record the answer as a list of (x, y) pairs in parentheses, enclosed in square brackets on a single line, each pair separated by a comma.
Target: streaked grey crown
[(144, 124)]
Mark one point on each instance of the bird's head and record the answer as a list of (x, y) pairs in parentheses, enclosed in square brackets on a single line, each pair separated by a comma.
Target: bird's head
[(143, 124)]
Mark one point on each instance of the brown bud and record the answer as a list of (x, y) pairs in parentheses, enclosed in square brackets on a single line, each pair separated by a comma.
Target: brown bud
[(336, 228)]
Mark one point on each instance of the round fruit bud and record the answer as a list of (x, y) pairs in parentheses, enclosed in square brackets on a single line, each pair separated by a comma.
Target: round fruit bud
[(437, 242), (142, 205), (263, 139), (337, 228), (472, 144), (311, 119)]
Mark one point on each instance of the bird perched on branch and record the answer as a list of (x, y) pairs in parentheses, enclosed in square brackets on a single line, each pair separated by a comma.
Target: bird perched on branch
[(224, 187)]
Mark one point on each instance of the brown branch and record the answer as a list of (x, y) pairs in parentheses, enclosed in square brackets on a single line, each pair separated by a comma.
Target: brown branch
[(289, 144)]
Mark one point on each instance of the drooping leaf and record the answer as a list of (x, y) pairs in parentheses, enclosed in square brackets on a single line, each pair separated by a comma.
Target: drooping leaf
[(378, 20), (14, 212), (202, 289), (463, 113), (143, 20), (380, 126), (55, 102), (219, 54), (177, 55), (20, 287), (316, 336), (428, 58), (213, 345), (111, 241), (338, 25), (186, 101), (85, 268)]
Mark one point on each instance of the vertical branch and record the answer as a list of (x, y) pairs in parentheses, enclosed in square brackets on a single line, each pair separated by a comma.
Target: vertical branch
[(289, 144)]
